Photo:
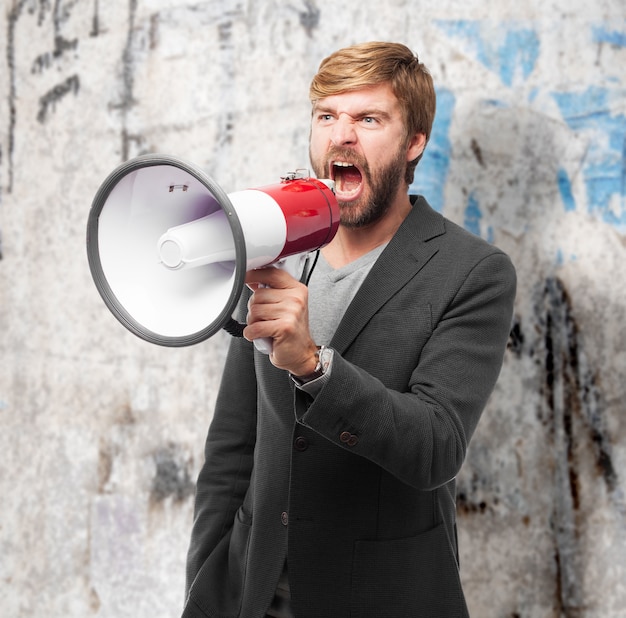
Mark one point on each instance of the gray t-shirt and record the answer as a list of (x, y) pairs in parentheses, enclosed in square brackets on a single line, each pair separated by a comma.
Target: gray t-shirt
[(332, 290)]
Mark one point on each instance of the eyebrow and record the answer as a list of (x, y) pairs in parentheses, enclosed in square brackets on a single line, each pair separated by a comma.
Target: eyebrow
[(374, 111)]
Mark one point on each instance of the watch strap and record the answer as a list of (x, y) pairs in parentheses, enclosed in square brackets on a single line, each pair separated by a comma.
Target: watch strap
[(318, 372)]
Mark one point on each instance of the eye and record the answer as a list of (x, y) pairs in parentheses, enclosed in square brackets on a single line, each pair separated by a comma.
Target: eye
[(369, 121)]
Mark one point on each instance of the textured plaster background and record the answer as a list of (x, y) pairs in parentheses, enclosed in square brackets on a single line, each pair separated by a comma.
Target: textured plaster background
[(101, 434)]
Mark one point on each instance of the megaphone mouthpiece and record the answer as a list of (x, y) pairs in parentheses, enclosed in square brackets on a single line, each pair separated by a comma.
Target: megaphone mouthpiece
[(204, 241)]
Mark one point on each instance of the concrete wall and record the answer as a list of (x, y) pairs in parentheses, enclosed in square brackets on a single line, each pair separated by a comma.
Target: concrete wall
[(101, 434)]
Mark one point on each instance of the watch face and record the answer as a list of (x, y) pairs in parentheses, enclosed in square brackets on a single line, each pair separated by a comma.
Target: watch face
[(325, 355)]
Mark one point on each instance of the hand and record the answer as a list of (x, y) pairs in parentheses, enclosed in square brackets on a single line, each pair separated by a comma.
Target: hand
[(279, 308)]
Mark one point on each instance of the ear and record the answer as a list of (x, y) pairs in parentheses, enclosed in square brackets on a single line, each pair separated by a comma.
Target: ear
[(416, 146)]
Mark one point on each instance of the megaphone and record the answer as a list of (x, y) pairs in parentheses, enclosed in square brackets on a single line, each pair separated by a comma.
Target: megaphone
[(168, 249)]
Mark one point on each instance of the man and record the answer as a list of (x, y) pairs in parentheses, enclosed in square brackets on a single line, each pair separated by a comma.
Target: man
[(328, 488)]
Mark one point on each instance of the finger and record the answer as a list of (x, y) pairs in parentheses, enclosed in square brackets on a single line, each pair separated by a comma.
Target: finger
[(260, 329), (267, 296), (272, 277)]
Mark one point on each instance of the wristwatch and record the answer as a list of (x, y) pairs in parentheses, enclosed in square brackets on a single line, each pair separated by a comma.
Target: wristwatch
[(323, 355)]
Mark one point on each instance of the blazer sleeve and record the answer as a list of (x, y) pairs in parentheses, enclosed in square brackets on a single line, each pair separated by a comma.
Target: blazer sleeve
[(229, 453), (420, 431)]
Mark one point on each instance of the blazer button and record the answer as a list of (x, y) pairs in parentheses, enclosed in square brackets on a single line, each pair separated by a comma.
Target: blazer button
[(284, 518), (348, 438), (301, 444)]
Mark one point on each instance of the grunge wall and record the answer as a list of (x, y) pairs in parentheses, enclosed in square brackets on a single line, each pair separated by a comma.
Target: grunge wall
[(101, 434)]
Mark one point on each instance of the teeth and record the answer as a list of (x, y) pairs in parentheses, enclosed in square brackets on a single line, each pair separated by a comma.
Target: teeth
[(342, 164)]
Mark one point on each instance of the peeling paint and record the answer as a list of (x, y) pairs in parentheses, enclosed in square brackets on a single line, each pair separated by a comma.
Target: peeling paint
[(473, 215), (432, 171), (591, 114), (603, 34), (509, 49), (565, 189), (528, 145)]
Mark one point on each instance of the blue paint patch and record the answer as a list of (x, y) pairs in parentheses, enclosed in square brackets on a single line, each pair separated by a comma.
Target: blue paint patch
[(604, 166), (432, 171), (473, 215), (613, 37), (565, 188), (559, 257), (506, 48), (472, 219), (518, 54)]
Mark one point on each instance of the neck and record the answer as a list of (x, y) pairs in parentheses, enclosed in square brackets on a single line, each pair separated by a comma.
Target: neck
[(349, 244)]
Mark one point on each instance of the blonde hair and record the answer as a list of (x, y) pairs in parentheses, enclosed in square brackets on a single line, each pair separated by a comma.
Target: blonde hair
[(374, 63)]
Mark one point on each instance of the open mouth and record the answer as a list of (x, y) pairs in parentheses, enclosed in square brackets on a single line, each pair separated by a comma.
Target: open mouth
[(348, 179)]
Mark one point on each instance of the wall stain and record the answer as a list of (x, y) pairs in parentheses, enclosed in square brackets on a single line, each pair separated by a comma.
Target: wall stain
[(309, 18), (60, 14), (95, 20), (573, 412), (12, 19), (227, 119), (466, 506), (44, 61), (476, 495), (154, 31), (128, 79), (105, 466), (53, 96), (516, 338), (172, 477), (224, 34), (478, 153), (574, 418), (0, 230), (566, 368)]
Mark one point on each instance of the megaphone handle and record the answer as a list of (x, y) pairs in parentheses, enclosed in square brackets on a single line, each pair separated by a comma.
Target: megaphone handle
[(265, 345), (294, 265)]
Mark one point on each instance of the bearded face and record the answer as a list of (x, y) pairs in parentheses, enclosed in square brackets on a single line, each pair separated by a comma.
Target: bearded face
[(359, 140), (364, 194)]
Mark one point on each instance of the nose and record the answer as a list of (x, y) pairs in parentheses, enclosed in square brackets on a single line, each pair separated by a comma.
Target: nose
[(343, 133)]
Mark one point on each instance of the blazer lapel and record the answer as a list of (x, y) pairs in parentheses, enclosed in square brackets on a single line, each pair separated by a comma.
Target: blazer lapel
[(405, 255)]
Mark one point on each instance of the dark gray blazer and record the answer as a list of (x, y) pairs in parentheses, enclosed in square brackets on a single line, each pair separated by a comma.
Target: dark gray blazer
[(356, 488)]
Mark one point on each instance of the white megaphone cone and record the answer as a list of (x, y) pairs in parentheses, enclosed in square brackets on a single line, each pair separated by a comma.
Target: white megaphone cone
[(168, 249)]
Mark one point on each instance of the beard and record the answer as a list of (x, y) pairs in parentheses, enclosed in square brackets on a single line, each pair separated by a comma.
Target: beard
[(382, 186)]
